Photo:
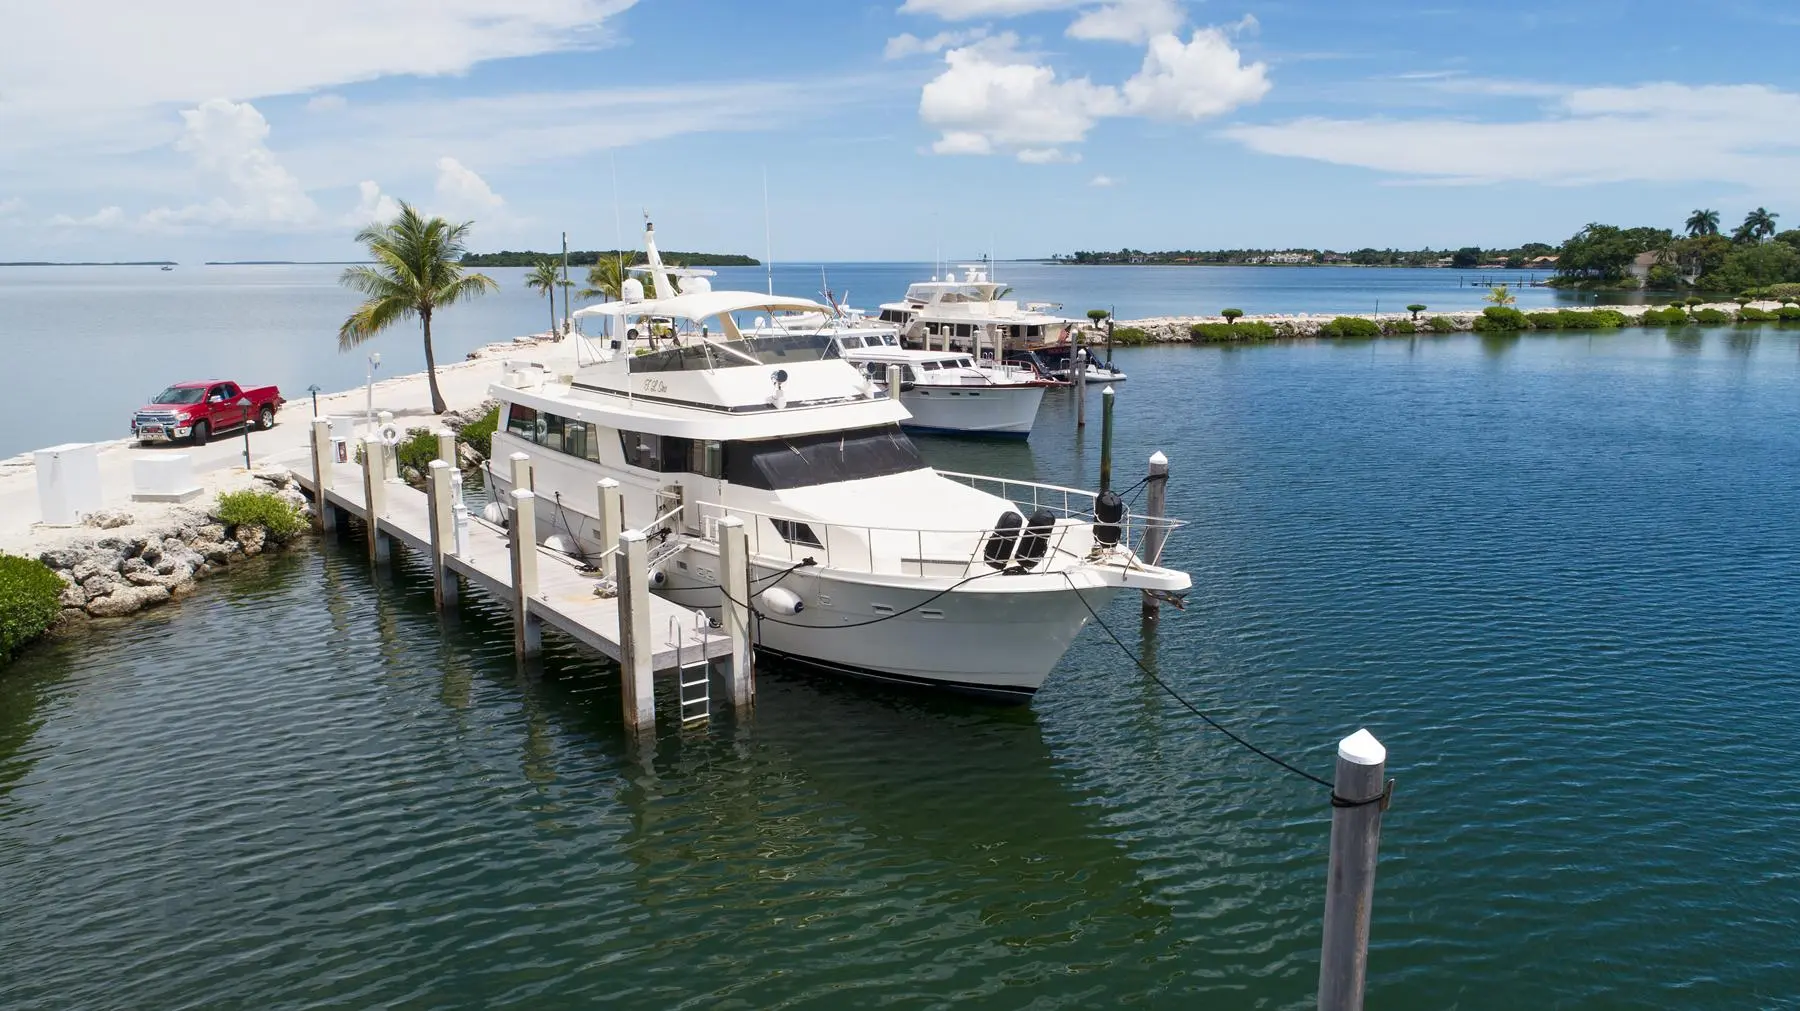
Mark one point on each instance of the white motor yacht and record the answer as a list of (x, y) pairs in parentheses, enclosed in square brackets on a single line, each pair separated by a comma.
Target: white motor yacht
[(972, 313), (864, 560)]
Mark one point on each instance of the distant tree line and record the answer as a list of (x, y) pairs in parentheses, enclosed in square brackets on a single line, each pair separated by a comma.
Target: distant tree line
[(1754, 257), (588, 257), (1466, 257)]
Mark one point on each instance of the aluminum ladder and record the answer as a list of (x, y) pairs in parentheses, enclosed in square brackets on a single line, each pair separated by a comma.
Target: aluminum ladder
[(693, 678)]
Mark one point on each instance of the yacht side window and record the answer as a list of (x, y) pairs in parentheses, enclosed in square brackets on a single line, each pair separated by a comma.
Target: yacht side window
[(930, 366), (851, 343), (522, 422), (965, 363)]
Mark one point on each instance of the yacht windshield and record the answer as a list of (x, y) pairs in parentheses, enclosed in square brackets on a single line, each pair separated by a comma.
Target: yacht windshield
[(700, 356), (798, 461)]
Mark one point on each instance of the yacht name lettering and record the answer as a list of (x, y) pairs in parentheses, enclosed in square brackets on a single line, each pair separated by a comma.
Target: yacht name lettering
[(655, 386)]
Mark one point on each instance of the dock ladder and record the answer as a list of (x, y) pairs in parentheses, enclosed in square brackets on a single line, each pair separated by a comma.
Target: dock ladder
[(693, 677)]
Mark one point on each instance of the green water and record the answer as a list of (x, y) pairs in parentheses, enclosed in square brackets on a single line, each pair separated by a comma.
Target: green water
[(1555, 574)]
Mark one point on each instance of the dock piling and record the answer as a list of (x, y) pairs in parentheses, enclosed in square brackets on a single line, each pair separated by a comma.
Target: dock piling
[(446, 446), (388, 466), (612, 512), (1359, 795), (1106, 434), (894, 374), (1080, 373), (438, 490), (375, 494), (522, 540), (636, 650), (321, 468), (1156, 489), (734, 609), (521, 471)]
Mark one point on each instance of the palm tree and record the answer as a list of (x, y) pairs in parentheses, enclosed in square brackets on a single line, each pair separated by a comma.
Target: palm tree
[(1703, 222), (543, 280), (606, 278), (417, 270), (1499, 295), (1759, 224)]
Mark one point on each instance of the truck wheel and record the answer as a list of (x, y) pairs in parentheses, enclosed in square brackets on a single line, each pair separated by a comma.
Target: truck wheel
[(265, 418), (200, 433)]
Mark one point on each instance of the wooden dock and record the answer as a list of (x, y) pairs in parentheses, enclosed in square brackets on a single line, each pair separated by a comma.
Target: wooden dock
[(560, 591)]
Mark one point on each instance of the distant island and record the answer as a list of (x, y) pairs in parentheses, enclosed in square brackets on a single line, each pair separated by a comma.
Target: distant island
[(1531, 255), (282, 263), (87, 263), (587, 257)]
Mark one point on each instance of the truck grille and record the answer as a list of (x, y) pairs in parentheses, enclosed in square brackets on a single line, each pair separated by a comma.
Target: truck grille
[(167, 418)]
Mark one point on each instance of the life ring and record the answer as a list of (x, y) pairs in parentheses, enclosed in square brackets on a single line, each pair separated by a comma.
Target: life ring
[(389, 434)]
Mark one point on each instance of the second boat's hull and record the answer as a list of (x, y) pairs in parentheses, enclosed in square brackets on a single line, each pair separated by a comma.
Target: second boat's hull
[(1006, 411)]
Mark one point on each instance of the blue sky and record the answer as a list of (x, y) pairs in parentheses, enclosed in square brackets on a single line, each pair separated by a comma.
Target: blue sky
[(212, 129)]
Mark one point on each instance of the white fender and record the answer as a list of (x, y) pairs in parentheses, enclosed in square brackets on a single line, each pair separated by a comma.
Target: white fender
[(781, 600)]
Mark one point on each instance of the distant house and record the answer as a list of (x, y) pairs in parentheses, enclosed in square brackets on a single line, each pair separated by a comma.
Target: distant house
[(1641, 264), (1442, 261), (1541, 262)]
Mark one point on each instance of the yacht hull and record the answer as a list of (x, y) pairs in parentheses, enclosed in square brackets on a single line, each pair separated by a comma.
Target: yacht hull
[(1002, 411)]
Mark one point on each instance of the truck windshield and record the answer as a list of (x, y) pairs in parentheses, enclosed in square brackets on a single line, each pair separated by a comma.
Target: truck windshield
[(180, 395)]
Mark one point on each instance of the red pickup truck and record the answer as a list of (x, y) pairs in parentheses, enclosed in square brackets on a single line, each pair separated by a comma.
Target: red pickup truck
[(199, 410)]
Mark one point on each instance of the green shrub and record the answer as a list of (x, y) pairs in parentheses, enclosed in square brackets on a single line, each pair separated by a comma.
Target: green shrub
[(260, 509), (1231, 315), (1351, 326), (1442, 324), (1416, 308), (1094, 314), (1546, 320), (1751, 314), (479, 434), (1403, 326), (1694, 300), (1129, 336), (1788, 313), (1609, 318), (1219, 333), (1500, 317), (1712, 317), (417, 450), (1664, 317), (1785, 290), (30, 602)]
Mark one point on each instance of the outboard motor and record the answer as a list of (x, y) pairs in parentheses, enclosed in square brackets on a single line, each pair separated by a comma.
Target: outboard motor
[(1036, 539), (1109, 515), (998, 550)]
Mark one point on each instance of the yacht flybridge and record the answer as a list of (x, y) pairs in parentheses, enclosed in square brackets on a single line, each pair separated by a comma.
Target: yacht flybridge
[(864, 560)]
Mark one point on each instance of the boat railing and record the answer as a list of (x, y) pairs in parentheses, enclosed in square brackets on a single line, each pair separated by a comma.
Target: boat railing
[(879, 550), (1073, 504)]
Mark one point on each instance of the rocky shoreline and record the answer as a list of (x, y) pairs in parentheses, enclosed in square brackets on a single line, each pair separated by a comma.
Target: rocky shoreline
[(1177, 329), (113, 575)]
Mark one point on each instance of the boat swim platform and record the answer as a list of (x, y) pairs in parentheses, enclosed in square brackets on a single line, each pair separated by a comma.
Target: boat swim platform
[(565, 596)]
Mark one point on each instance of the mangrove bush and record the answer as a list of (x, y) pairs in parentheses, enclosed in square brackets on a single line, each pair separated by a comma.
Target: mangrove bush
[(1350, 326), (254, 508), (479, 434), (30, 601), (1501, 317), (1220, 333)]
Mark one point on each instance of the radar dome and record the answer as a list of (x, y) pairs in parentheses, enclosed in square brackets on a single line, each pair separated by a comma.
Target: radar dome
[(632, 290), (695, 286)]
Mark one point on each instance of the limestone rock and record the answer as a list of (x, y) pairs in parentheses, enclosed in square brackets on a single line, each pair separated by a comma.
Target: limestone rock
[(127, 600), (133, 565), (73, 596), (468, 457), (62, 558), (151, 553), (108, 519), (101, 583), (253, 539), (215, 551), (277, 478), (209, 533), (95, 563)]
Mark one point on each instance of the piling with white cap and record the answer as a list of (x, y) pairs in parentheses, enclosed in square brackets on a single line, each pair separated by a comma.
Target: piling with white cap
[(1359, 794), (443, 533), (637, 653), (1156, 488), (374, 496), (321, 468), (734, 584), (522, 540)]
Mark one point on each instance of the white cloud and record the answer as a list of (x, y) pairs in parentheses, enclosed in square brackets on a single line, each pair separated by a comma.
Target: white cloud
[(908, 44), (11, 206), (1129, 21), (1203, 77), (969, 10), (105, 217), (1651, 132), (991, 97), (1048, 156), (374, 205), (228, 142), (462, 194), (328, 102), (1103, 181)]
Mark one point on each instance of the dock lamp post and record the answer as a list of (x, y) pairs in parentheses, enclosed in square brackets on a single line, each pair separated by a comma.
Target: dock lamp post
[(369, 405), (314, 390), (244, 403)]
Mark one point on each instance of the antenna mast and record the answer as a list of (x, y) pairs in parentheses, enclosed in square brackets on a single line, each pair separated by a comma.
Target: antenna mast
[(768, 243)]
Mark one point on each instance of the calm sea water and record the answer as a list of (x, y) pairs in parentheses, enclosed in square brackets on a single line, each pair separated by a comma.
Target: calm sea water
[(91, 344), (1556, 575)]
